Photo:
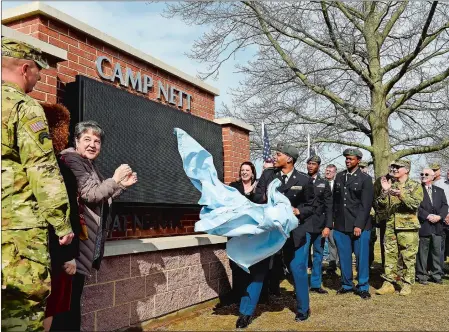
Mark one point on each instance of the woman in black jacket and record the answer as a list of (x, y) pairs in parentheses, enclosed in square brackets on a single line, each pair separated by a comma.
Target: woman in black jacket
[(246, 185)]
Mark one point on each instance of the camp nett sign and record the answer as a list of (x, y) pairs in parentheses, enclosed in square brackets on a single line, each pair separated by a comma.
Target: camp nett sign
[(143, 83)]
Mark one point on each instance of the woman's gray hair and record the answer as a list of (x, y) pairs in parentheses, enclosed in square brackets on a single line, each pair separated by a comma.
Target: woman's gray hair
[(84, 126)]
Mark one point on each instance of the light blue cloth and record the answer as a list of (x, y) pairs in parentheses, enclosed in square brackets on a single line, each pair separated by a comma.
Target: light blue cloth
[(257, 230)]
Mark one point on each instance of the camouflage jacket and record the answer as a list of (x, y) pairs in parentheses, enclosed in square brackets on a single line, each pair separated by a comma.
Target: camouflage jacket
[(401, 212), (33, 191)]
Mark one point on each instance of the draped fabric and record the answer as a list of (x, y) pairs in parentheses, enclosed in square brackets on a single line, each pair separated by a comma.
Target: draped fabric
[(257, 230)]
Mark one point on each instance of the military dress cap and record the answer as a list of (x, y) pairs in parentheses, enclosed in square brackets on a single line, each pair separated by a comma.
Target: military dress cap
[(288, 149), (402, 162), (434, 166), (353, 152), (20, 50), (314, 158), (363, 164)]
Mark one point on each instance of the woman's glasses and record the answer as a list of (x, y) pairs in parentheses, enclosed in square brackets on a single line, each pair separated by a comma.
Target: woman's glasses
[(424, 174)]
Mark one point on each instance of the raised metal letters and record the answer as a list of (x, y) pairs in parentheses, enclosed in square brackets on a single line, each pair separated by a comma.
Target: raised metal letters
[(136, 83), (99, 62)]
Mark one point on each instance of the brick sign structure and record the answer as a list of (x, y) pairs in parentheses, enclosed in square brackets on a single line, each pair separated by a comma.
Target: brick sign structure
[(157, 264)]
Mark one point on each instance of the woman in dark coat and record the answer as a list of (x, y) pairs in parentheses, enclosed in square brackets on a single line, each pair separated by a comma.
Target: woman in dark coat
[(94, 195), (246, 185)]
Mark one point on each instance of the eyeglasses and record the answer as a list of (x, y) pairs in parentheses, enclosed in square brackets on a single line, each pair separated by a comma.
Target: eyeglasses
[(424, 174), (396, 166)]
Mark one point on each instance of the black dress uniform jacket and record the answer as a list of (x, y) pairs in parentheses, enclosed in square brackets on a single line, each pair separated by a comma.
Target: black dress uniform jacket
[(298, 189), (437, 206), (353, 199), (323, 207)]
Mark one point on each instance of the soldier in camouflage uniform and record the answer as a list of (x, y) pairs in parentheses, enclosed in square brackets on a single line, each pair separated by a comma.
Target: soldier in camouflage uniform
[(398, 199), (33, 192)]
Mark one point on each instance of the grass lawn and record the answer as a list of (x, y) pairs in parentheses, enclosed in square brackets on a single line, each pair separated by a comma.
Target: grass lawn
[(426, 309)]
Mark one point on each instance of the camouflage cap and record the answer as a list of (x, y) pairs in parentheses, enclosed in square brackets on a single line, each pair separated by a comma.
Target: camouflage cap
[(353, 152), (20, 50), (434, 166), (314, 158), (401, 162), (288, 149), (363, 164)]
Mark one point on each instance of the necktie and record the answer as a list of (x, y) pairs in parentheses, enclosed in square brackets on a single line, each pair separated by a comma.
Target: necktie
[(284, 177), (429, 191)]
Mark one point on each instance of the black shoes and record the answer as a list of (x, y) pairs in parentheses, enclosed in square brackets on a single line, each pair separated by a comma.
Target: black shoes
[(302, 317), (437, 281), (319, 290), (243, 321), (344, 291), (423, 282), (363, 294)]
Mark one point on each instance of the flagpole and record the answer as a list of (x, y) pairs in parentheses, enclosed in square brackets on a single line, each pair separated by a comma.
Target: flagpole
[(308, 145)]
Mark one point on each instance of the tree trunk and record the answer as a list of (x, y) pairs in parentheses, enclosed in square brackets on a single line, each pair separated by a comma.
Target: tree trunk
[(380, 141)]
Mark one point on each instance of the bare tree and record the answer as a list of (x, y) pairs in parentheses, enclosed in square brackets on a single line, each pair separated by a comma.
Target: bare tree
[(371, 75)]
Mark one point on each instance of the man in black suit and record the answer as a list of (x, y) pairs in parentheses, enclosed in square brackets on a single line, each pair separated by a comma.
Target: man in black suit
[(353, 198), (319, 224), (431, 213), (298, 188)]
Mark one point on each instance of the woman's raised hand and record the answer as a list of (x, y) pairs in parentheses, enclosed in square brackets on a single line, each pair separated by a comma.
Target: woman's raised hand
[(122, 172), (130, 180)]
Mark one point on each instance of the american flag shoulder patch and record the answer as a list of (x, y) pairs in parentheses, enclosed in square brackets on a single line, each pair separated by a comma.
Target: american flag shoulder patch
[(37, 126)]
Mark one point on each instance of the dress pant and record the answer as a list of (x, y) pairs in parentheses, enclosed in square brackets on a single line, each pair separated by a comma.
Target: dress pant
[(298, 268), (240, 280), (317, 262), (444, 249), (333, 254), (346, 244), (71, 320), (429, 245), (250, 298), (372, 242)]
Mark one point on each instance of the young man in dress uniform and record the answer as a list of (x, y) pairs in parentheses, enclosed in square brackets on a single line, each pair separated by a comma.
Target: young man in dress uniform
[(353, 198)]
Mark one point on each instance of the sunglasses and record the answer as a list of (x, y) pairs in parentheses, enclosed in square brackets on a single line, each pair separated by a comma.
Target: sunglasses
[(425, 174), (396, 166)]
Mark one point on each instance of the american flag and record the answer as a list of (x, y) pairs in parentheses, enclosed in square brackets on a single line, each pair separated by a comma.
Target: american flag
[(266, 143)]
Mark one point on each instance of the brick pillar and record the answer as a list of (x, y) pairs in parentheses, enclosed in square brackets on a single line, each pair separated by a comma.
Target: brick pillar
[(235, 146)]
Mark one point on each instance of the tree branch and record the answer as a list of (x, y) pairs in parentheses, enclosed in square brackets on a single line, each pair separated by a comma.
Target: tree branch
[(342, 142), (415, 53), (422, 149), (363, 74), (351, 10), (407, 95), (304, 79), (431, 37), (392, 21), (351, 18)]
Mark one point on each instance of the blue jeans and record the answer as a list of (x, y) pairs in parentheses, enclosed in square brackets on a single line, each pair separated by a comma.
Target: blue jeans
[(317, 267), (346, 244)]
